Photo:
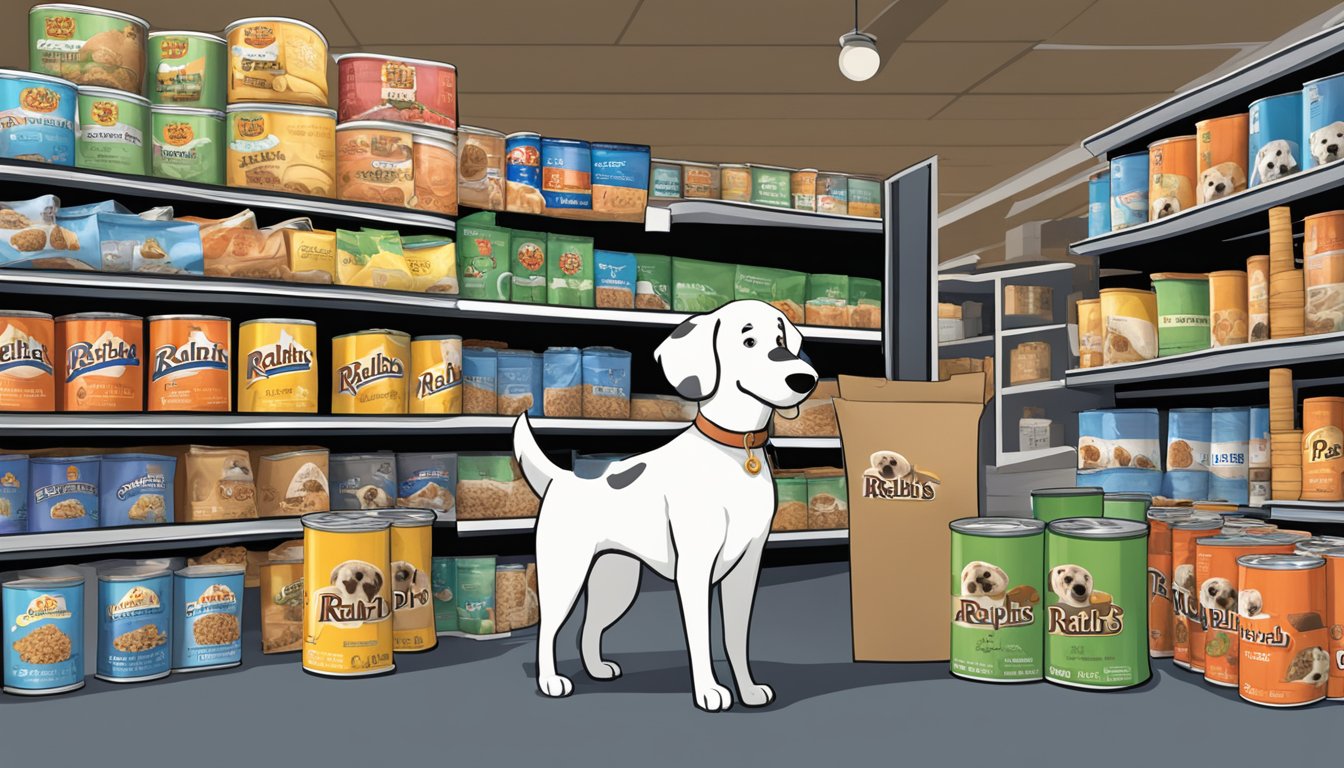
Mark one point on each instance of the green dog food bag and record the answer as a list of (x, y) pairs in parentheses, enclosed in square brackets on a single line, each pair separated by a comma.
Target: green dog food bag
[(653, 286), (701, 286), (483, 262), (569, 271), (827, 499), (827, 300), (782, 288), (443, 582), (528, 264), (865, 303), (476, 595)]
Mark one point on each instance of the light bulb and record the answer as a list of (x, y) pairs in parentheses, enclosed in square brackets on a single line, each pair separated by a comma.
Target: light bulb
[(859, 59)]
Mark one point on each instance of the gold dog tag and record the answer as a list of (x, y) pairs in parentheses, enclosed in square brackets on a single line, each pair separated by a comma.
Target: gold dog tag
[(752, 464)]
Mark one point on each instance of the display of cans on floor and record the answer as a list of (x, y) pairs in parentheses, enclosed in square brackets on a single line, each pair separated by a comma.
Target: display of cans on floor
[(1284, 636), (347, 595), (1217, 576), (1187, 612), (135, 621), (997, 568), (412, 552), (43, 628)]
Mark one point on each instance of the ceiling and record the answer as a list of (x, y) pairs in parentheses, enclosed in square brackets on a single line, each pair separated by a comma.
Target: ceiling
[(993, 87)]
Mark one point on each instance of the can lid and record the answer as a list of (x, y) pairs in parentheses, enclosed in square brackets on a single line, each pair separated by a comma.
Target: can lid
[(373, 332), (1098, 528), (41, 578), (24, 313), (615, 146), (1228, 273), (1067, 492), (510, 567), (446, 337), (344, 522), (1297, 94), (1143, 154), (90, 10), (1237, 539), (369, 125), (1202, 276), (480, 131), (404, 518), (112, 93), (1320, 544), (754, 166), (168, 109), (91, 457), (385, 57), (153, 318), (277, 320), (1332, 552), (523, 135), (114, 457), (219, 569), (440, 133), (19, 74), (1143, 497), (733, 165), (289, 109), (281, 19), (187, 33), (1281, 562), (565, 142), (132, 572), (98, 316), (998, 527), (699, 164), (1198, 523), (1238, 521)]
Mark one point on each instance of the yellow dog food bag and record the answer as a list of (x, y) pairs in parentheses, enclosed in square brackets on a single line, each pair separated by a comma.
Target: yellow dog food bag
[(372, 258)]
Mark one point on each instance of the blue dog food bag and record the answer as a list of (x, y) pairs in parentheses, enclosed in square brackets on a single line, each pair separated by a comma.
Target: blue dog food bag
[(1119, 450), (1189, 434), (208, 620), (606, 383), (480, 378), (614, 279), (32, 236), (363, 480), (14, 493), (514, 382), (65, 493), (131, 243), (1229, 449), (562, 382), (44, 631), (427, 480), (620, 177), (135, 623), (136, 489)]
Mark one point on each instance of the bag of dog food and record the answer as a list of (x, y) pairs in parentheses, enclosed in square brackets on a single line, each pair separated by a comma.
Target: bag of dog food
[(291, 482), (312, 255), (427, 480), (614, 278), (782, 288), (220, 485), (514, 383), (475, 589), (480, 377), (606, 383), (235, 247), (701, 286), (371, 259), (432, 260), (653, 286), (827, 499), (827, 300), (443, 583), (483, 259), (528, 254), (791, 502), (515, 603), (130, 243), (363, 480), (30, 232), (491, 486), (865, 303), (562, 382), (79, 231), (569, 271)]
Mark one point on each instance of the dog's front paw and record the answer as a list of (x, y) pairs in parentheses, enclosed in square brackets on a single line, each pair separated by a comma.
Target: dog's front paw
[(756, 695), (604, 670), (556, 686), (713, 698)]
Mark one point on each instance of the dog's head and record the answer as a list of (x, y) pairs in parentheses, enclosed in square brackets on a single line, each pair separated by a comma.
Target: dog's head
[(1310, 666), (746, 345), (1249, 603), (1221, 180), (981, 579), (1183, 578), (1326, 142), (1274, 160), (1072, 584), (1165, 206), (1218, 593), (890, 465), (357, 580)]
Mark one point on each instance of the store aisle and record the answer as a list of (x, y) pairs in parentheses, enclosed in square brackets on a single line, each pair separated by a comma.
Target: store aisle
[(473, 701)]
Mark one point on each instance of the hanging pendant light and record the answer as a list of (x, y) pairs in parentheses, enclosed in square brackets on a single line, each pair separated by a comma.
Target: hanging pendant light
[(859, 59)]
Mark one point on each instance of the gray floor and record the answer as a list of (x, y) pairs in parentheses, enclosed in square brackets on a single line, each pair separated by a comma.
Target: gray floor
[(475, 701)]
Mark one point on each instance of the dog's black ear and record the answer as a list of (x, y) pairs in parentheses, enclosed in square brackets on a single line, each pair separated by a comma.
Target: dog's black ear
[(689, 358)]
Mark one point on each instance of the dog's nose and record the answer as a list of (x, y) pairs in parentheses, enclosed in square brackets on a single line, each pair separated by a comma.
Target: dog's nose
[(1079, 590), (1332, 149), (800, 382)]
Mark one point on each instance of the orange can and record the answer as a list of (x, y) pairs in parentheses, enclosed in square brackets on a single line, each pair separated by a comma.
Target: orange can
[(1323, 448), (100, 362), (1284, 637), (1334, 597), (1172, 169), (27, 376), (189, 368), (1159, 578), (1228, 317), (1323, 272), (1187, 627), (1221, 157), (1216, 573)]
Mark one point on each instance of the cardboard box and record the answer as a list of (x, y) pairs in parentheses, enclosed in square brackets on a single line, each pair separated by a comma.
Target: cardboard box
[(1028, 300), (1029, 362)]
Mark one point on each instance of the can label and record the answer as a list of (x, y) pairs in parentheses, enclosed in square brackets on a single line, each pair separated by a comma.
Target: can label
[(347, 596), (996, 602), (27, 380), (190, 368), (1096, 618), (134, 628), (369, 373), (412, 603), (1284, 636), (278, 372), (44, 638), (523, 161), (566, 175), (101, 364), (436, 366)]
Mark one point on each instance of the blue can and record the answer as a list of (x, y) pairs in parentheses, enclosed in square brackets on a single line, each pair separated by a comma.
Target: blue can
[(14, 493), (65, 493), (44, 632), (1229, 448), (1099, 203), (514, 385), (207, 617), (1119, 450), (135, 624), (1129, 191), (522, 159), (619, 167), (136, 489), (1275, 137), (566, 174), (37, 117), (1189, 435), (1323, 120)]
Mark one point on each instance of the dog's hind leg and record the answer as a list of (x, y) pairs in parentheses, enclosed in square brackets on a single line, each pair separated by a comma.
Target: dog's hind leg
[(560, 574), (612, 587)]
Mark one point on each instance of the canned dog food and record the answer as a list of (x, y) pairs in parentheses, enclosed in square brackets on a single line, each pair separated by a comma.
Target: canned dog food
[(1221, 157), (620, 178), (278, 372), (1182, 312), (803, 187), (664, 179), (1187, 613), (112, 128), (1229, 445), (187, 69), (44, 632), (412, 556), (1159, 578), (1323, 120), (282, 148), (281, 591), (14, 493), (376, 87), (1129, 325), (1257, 297), (208, 620), (865, 197), (1118, 450), (832, 193), (1216, 574), (1126, 506), (700, 180), (434, 155), (190, 363), (1189, 433), (136, 489), (997, 564), (1099, 203), (88, 46), (1089, 333), (374, 163), (1228, 323), (1323, 275), (1323, 448), (522, 172), (64, 493), (1284, 636), (363, 480), (1171, 166), (566, 174), (347, 595), (37, 118), (277, 60), (1334, 591), (1318, 545), (1049, 504), (770, 186), (1097, 610), (476, 595), (480, 169), (1129, 191), (735, 182), (369, 372), (27, 376), (187, 144), (1275, 148), (101, 370), (436, 374), (135, 618)]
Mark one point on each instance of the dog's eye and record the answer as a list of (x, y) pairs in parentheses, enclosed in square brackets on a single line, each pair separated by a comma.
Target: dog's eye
[(779, 340), (1068, 579), (748, 342), (986, 576)]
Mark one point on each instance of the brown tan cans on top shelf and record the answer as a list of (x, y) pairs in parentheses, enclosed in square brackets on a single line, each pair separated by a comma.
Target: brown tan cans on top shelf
[(1323, 258), (277, 60)]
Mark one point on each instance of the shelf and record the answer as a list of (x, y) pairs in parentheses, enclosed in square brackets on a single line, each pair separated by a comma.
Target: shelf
[(526, 524), (187, 425), (166, 190), (1306, 511), (1204, 364), (1040, 386), (1030, 329), (807, 538), (1017, 459), (510, 525), (806, 442), (966, 342), (659, 217)]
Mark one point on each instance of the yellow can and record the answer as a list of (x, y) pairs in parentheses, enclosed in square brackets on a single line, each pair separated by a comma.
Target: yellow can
[(278, 373), (1128, 325), (282, 148), (347, 594), (412, 561), (436, 374), (277, 60), (368, 371)]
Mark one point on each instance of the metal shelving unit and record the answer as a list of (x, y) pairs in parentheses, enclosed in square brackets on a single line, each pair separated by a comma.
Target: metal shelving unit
[(526, 524), (275, 425), (659, 218), (1306, 511), (1193, 367)]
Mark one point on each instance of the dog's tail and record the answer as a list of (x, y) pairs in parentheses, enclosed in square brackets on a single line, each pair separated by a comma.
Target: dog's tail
[(538, 470)]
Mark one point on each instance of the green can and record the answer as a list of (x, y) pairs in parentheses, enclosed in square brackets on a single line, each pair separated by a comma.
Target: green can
[(771, 186), (997, 569), (476, 595), (187, 69), (88, 46), (664, 179), (443, 583), (187, 144), (865, 197), (1182, 312), (112, 129), (1096, 632), (1126, 506), (1050, 504)]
